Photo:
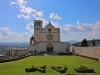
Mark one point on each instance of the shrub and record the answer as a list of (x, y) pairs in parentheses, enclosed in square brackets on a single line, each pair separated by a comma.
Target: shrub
[(41, 70), (83, 69), (62, 53), (33, 69), (43, 67), (60, 69), (13, 59)]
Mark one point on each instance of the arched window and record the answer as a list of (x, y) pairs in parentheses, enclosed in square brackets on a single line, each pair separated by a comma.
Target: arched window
[(32, 42), (49, 48)]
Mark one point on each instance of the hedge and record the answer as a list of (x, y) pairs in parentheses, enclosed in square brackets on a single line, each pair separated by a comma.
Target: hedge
[(83, 69), (13, 59), (60, 69), (33, 69)]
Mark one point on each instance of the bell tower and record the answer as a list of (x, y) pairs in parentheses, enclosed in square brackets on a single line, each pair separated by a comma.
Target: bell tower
[(37, 29)]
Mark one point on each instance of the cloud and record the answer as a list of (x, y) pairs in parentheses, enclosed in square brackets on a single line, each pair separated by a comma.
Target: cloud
[(54, 16), (19, 2), (7, 35), (83, 30), (25, 11), (30, 27), (12, 3), (69, 32), (24, 34), (7, 31), (56, 24), (23, 16)]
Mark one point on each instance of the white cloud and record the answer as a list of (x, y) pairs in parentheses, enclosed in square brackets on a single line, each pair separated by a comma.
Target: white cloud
[(26, 12), (7, 35), (40, 13), (24, 34), (12, 3), (70, 28), (69, 32), (30, 27), (55, 24), (19, 2), (96, 26), (23, 16), (6, 31), (54, 16), (83, 30)]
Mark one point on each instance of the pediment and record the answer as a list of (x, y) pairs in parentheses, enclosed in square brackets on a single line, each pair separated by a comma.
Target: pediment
[(50, 28)]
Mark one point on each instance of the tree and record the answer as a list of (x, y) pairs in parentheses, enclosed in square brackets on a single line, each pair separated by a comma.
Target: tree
[(93, 42), (84, 43)]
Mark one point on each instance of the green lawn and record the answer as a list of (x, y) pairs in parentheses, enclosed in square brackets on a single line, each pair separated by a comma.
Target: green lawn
[(18, 67)]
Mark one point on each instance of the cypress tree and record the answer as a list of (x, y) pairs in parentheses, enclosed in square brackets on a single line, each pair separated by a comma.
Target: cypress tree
[(93, 42), (84, 43)]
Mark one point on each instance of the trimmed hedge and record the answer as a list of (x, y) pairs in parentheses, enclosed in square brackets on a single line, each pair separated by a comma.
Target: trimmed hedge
[(83, 69), (33, 69), (13, 59), (43, 67), (62, 53), (60, 69)]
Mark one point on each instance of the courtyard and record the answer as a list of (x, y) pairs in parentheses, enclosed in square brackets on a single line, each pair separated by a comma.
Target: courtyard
[(18, 67)]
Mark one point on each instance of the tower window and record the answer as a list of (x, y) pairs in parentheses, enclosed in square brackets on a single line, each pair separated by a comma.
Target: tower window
[(35, 23), (39, 23)]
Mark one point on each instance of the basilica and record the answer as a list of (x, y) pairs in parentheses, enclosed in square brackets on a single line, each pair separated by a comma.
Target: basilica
[(47, 39)]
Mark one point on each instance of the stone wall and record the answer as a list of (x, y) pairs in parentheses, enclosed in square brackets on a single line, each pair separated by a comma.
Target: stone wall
[(14, 52), (88, 51)]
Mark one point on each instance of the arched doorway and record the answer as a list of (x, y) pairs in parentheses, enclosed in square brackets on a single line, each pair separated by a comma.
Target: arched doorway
[(49, 48)]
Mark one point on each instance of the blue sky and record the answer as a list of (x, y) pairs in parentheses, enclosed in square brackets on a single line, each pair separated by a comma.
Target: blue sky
[(78, 19)]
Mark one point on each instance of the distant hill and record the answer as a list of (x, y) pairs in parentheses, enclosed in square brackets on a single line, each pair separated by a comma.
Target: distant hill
[(73, 41), (8, 45), (13, 43), (90, 43)]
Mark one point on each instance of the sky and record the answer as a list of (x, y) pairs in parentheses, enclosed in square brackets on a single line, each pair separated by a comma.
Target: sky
[(77, 19)]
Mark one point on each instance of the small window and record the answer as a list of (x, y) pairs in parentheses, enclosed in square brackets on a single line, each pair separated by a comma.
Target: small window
[(35, 23), (49, 29), (39, 23)]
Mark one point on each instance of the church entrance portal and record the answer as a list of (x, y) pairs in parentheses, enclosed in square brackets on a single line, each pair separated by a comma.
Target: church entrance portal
[(50, 48)]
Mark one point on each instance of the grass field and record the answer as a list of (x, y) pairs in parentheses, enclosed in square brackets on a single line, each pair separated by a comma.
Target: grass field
[(18, 67)]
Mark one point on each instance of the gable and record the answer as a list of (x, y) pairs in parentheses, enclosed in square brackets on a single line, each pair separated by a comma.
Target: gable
[(50, 28)]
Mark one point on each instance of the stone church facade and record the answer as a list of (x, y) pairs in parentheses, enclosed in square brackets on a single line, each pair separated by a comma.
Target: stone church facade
[(47, 39)]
